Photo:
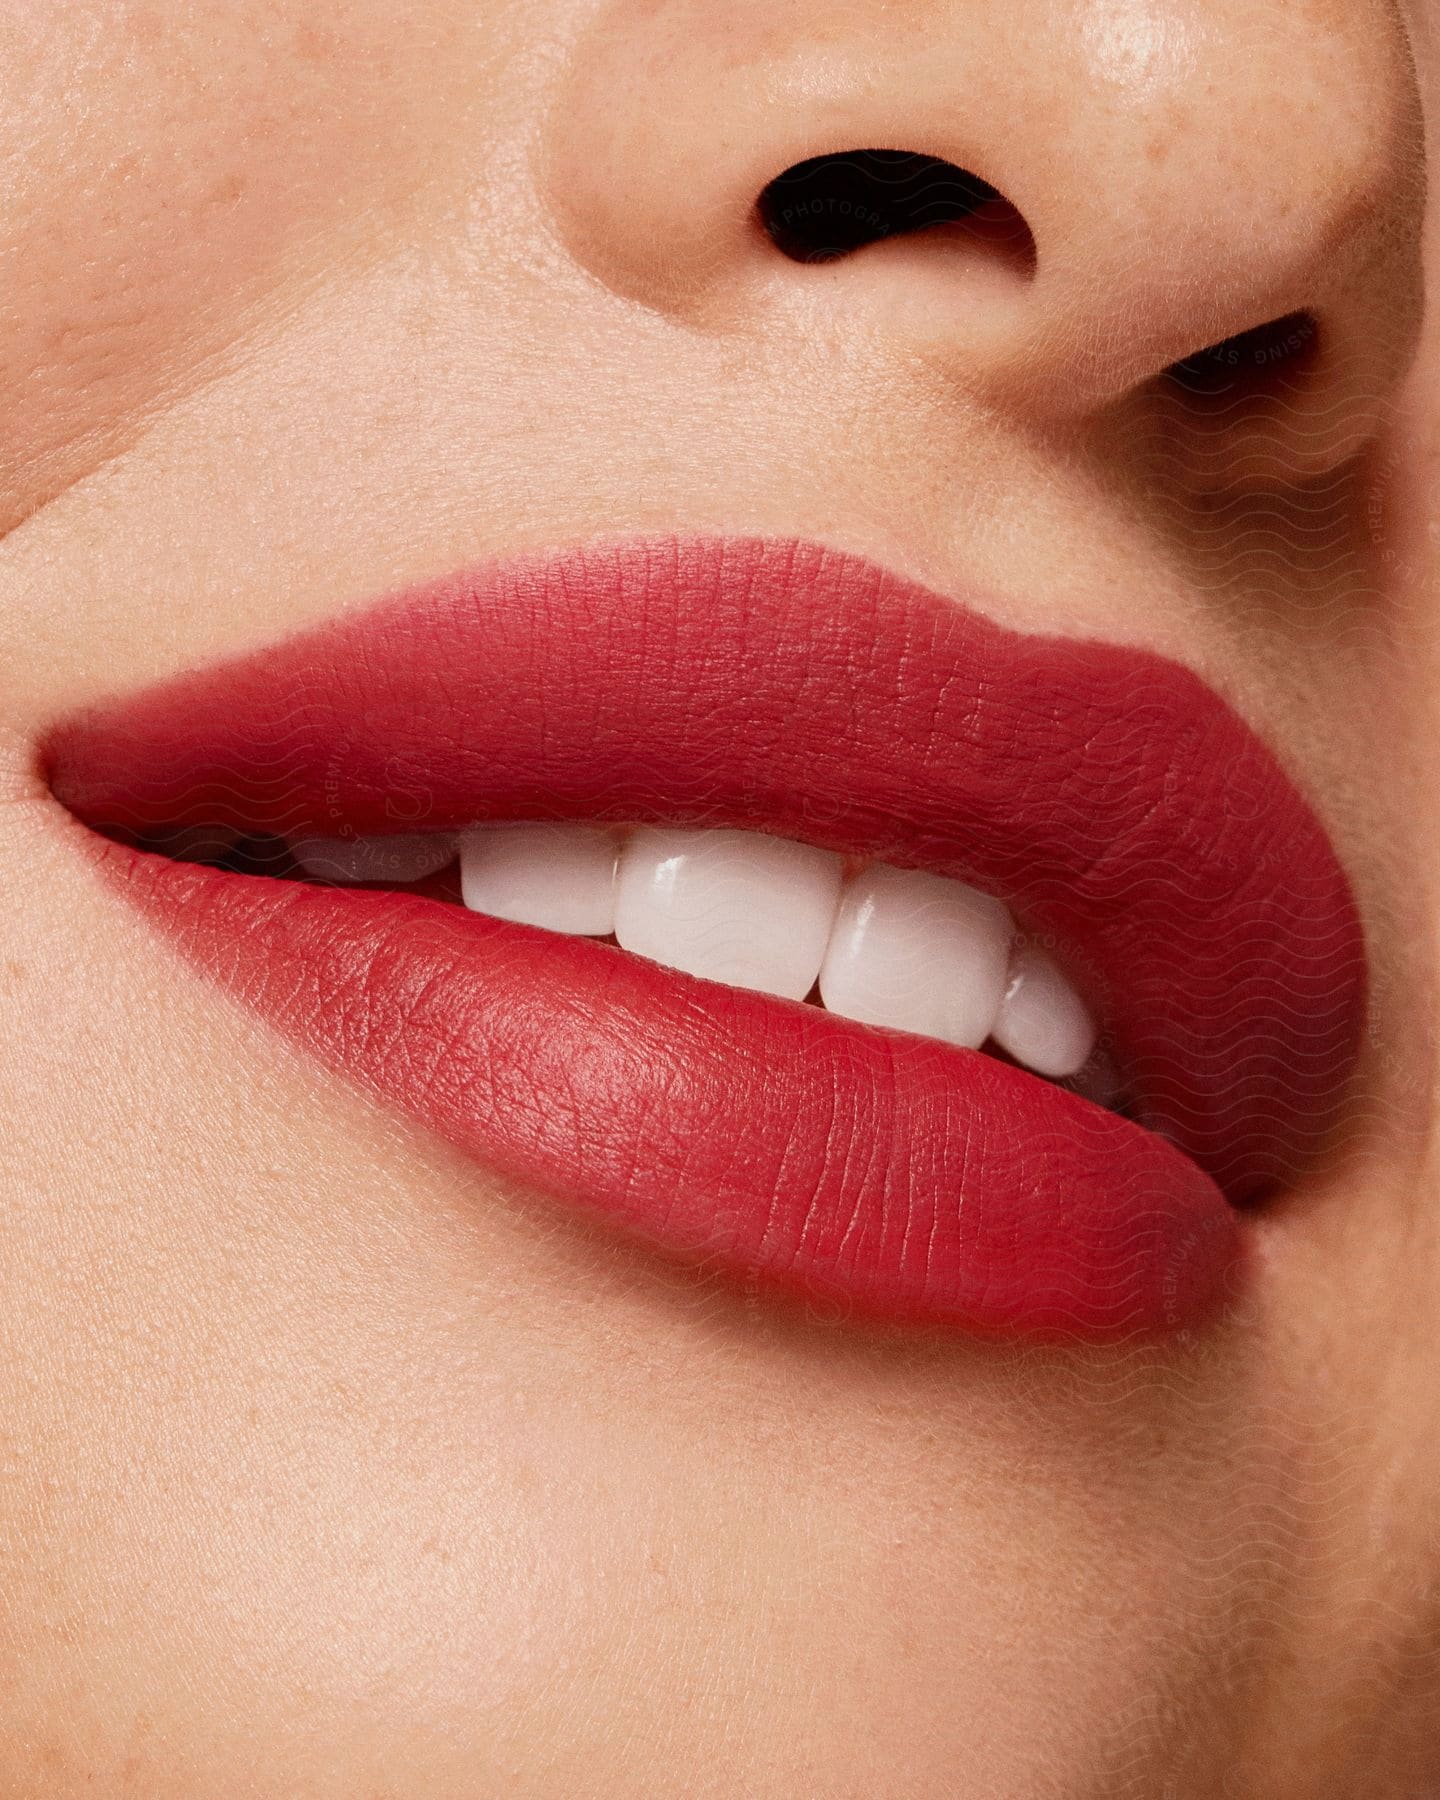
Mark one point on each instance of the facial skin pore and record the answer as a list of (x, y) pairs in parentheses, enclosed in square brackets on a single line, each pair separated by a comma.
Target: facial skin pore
[(327, 1469)]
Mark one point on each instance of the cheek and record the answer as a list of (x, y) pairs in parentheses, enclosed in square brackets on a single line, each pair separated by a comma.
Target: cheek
[(166, 172)]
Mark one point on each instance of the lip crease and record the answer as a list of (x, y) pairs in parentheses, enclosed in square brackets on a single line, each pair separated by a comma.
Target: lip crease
[(1107, 794)]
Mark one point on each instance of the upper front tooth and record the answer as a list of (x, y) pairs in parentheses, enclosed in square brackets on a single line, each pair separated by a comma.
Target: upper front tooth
[(918, 953), (392, 859), (1043, 1022), (555, 875), (733, 906)]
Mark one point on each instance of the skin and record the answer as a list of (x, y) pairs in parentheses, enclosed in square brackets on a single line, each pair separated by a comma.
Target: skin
[(330, 1468)]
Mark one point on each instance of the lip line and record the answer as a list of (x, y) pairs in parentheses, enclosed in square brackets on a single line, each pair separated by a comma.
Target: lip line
[(842, 705)]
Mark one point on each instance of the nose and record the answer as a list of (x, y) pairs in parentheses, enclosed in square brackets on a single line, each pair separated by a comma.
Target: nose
[(1061, 204)]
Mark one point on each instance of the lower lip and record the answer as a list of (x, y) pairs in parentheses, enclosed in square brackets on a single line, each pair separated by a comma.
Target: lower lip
[(876, 1176)]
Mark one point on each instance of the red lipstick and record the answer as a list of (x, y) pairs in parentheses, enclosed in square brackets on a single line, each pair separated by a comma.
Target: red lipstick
[(1109, 796)]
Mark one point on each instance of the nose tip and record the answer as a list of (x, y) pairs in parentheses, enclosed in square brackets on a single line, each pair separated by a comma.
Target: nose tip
[(1064, 206)]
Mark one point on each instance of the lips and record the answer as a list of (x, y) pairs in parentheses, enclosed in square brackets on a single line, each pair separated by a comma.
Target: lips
[(1110, 798)]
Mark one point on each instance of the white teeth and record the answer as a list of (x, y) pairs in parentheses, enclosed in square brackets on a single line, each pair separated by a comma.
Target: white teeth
[(918, 953), (561, 877), (1043, 1022), (390, 859), (893, 947), (732, 906)]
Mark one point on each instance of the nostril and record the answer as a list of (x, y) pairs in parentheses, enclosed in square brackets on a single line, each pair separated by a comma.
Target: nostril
[(1255, 363), (829, 206)]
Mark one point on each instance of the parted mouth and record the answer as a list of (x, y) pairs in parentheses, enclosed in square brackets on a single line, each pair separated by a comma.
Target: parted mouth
[(673, 790), (902, 949)]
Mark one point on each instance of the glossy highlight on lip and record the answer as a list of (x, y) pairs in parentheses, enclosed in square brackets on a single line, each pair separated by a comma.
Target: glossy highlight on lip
[(1106, 793)]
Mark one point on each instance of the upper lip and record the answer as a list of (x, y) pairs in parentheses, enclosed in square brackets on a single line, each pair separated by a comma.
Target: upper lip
[(1108, 794)]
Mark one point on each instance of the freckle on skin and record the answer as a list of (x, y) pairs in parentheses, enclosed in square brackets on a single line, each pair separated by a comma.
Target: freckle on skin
[(1157, 149)]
